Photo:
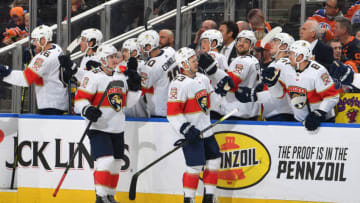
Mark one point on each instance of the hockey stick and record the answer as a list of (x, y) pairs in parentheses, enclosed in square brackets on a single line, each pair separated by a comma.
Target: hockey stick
[(114, 83), (132, 191), (15, 163), (70, 48)]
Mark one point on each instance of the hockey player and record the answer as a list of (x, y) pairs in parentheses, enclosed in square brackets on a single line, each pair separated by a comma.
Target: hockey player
[(211, 41), (189, 98), (157, 73), (107, 132), (90, 39), (311, 89), (274, 109), (129, 49), (244, 71), (43, 71)]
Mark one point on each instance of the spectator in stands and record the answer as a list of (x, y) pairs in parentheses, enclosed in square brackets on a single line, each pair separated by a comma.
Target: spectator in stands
[(166, 38), (206, 25), (21, 3), (242, 25), (229, 31), (310, 31), (257, 21), (326, 17), (15, 30), (351, 45), (336, 46), (77, 6), (263, 54)]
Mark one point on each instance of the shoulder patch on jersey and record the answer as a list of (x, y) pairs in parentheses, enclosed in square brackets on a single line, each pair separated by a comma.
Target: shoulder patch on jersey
[(239, 68), (202, 99), (84, 82), (173, 93), (297, 96), (325, 78), (37, 64), (144, 77), (115, 97)]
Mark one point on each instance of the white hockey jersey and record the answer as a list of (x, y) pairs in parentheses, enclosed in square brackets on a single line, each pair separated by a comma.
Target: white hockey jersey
[(189, 100), (43, 71), (312, 86), (82, 68), (156, 76), (244, 71), (221, 60), (275, 105), (92, 89)]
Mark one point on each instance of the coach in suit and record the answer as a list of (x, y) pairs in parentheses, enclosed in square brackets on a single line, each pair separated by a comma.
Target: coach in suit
[(311, 32), (229, 31)]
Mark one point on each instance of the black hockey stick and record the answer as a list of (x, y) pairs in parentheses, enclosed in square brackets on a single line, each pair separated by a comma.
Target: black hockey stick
[(132, 191), (15, 162), (115, 83)]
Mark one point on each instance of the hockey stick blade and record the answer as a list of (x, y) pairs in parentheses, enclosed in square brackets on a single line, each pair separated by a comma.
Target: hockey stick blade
[(114, 83), (268, 37), (133, 183), (75, 43)]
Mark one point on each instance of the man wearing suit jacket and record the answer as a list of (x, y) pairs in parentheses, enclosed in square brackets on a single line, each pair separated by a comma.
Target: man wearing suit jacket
[(229, 31), (310, 31)]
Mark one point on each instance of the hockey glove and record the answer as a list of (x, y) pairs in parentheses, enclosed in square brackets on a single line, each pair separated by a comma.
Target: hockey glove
[(132, 64), (67, 69), (313, 119), (270, 76), (91, 113), (134, 81), (4, 71), (207, 64), (224, 85), (192, 134), (66, 62), (342, 72), (92, 65)]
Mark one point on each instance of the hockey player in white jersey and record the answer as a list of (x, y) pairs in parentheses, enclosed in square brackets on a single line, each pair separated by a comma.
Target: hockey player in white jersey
[(106, 134), (244, 71), (189, 98), (211, 41), (157, 73), (43, 71), (274, 109), (90, 39), (311, 89)]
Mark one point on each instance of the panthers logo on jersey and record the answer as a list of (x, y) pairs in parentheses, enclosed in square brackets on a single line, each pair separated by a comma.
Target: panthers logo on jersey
[(298, 97), (115, 98), (202, 100)]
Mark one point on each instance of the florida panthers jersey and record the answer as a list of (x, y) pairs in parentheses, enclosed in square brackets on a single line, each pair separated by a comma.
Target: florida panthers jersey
[(82, 68), (189, 100), (309, 90), (156, 76), (244, 71), (92, 89), (43, 71), (275, 105)]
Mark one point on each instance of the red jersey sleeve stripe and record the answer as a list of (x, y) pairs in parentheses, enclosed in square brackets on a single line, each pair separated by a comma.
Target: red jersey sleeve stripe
[(83, 95), (237, 80), (31, 77), (315, 97), (147, 90), (175, 108)]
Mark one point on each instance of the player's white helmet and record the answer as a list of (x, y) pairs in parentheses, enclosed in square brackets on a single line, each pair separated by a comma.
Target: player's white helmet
[(284, 38), (183, 55), (301, 47), (212, 35), (149, 37), (104, 51), (248, 35), (42, 31), (93, 33), (131, 45)]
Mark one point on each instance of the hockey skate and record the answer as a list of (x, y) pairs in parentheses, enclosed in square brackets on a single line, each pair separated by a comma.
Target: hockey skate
[(208, 198), (111, 199), (103, 199), (188, 200)]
